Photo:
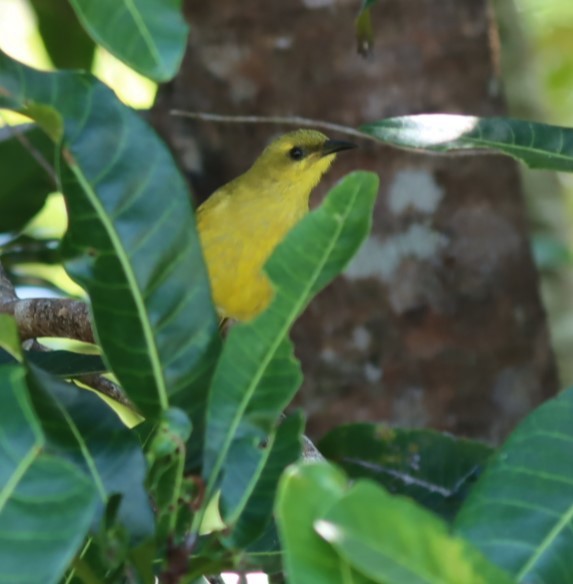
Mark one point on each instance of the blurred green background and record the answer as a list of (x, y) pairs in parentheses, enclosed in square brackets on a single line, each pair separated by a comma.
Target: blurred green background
[(537, 75), (536, 64)]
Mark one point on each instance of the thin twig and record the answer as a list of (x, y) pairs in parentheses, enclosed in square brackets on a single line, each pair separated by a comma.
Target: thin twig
[(307, 122), (283, 120)]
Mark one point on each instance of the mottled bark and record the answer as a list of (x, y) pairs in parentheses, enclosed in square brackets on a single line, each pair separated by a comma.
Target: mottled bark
[(438, 320)]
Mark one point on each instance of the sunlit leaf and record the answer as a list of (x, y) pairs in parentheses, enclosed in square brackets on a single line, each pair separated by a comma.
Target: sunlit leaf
[(537, 145), (148, 35)]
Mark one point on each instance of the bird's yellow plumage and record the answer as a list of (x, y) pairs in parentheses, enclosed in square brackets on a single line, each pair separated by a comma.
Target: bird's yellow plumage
[(242, 222)]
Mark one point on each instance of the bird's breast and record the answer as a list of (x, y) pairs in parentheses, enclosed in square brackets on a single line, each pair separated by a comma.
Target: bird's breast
[(237, 241)]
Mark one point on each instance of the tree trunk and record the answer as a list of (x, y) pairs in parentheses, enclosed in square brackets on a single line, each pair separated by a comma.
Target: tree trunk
[(438, 320)]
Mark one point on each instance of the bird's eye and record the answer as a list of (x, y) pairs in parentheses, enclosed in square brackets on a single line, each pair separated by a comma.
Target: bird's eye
[(296, 153)]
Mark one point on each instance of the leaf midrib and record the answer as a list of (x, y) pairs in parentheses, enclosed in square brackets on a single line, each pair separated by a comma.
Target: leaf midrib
[(133, 286)]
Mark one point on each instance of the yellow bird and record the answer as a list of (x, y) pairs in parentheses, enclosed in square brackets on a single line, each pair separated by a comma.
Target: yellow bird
[(243, 221)]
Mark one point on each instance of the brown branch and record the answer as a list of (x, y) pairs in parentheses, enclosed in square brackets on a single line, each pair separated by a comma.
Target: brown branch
[(309, 450), (45, 317), (53, 317), (106, 387)]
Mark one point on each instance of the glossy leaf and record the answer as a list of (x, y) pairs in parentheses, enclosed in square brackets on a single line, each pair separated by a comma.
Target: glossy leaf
[(537, 145), (148, 35), (257, 376), (131, 240), (306, 492), (46, 504), (433, 468), (392, 541), (25, 183), (520, 513)]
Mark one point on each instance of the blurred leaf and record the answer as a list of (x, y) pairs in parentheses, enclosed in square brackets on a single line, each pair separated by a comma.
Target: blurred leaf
[(148, 35), (9, 339), (549, 253), (306, 492), (148, 286), (285, 448), (537, 145), (434, 469), (61, 363), (265, 554), (520, 513), (72, 50), (25, 184), (46, 504), (364, 30), (81, 428), (392, 541), (28, 249), (257, 375)]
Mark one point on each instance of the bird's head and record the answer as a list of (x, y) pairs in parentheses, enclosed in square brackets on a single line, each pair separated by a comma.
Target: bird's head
[(300, 157)]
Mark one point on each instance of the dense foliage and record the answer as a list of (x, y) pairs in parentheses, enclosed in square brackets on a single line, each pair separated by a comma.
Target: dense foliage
[(200, 486)]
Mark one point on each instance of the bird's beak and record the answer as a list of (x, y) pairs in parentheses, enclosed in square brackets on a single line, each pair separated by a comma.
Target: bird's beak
[(333, 146)]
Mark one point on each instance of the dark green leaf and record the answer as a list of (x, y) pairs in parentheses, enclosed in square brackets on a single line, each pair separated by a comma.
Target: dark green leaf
[(25, 183), (83, 429), (432, 468), (285, 446), (537, 145), (27, 249), (520, 513), (46, 504), (131, 241), (148, 35), (306, 492), (393, 541), (66, 363), (72, 50), (257, 375), (173, 431)]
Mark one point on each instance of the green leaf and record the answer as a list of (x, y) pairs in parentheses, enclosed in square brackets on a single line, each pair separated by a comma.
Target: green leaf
[(433, 468), (257, 376), (27, 249), (72, 50), (46, 504), (131, 240), (83, 429), (306, 492), (520, 513), (537, 145), (9, 338), (25, 183), (392, 541), (64, 363), (364, 30), (148, 35), (285, 447)]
